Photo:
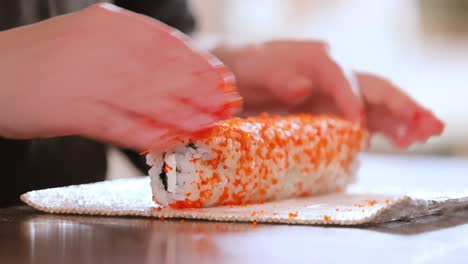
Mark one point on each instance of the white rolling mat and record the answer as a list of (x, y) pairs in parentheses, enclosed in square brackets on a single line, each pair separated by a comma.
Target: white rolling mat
[(132, 197)]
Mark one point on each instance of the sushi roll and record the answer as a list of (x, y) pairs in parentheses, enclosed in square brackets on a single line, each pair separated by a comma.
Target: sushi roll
[(258, 159)]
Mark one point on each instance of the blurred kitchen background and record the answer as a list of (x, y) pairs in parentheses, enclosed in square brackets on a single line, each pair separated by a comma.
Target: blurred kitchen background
[(422, 45)]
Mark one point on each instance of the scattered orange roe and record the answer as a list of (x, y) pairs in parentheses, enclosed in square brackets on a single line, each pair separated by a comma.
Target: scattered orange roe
[(167, 168), (371, 202), (185, 204), (293, 215), (161, 218), (194, 160), (182, 221), (158, 209), (254, 223), (326, 218), (387, 201)]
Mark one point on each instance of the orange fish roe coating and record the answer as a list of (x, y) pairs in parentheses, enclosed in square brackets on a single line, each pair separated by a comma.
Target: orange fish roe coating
[(293, 215), (262, 158)]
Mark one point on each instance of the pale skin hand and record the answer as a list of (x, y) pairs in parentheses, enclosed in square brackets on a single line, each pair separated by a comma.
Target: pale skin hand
[(300, 76), (107, 74), (122, 78)]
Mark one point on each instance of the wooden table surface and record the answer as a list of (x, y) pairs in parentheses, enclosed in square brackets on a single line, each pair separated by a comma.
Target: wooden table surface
[(27, 236)]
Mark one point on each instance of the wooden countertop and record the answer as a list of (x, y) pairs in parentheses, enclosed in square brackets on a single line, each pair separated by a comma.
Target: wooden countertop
[(28, 236)]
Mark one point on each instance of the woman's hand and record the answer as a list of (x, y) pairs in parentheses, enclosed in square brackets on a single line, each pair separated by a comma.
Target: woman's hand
[(301, 76), (111, 75), (395, 114)]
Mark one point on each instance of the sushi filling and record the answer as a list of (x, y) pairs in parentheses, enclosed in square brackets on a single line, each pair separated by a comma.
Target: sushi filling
[(163, 176), (169, 173)]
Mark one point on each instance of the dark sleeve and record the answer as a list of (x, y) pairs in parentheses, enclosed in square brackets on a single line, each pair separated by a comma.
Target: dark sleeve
[(139, 161), (45, 163), (175, 13)]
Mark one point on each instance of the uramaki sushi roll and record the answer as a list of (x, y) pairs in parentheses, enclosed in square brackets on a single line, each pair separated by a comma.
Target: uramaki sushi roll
[(258, 159)]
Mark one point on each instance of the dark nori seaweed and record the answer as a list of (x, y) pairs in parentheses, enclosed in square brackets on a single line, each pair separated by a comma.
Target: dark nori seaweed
[(163, 176), (191, 145)]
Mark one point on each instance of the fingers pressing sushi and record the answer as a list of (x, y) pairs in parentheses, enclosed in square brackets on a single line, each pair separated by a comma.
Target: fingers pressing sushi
[(118, 77), (393, 113), (302, 76), (284, 74)]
